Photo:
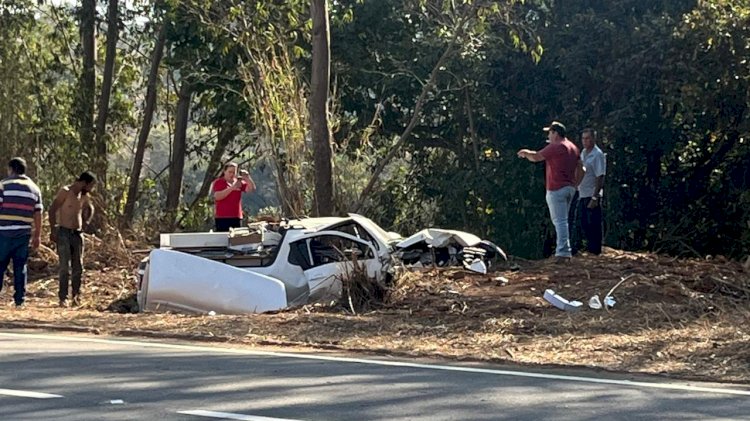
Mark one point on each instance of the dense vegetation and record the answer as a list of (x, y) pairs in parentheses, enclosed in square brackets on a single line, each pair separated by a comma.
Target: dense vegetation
[(429, 101)]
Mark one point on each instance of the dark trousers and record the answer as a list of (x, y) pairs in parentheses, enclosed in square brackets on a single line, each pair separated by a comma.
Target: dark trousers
[(70, 251), (591, 225), (574, 226), (223, 224), (16, 249)]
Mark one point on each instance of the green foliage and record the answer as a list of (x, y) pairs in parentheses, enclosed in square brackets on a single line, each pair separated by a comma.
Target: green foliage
[(37, 91), (239, 55), (666, 83), (199, 217)]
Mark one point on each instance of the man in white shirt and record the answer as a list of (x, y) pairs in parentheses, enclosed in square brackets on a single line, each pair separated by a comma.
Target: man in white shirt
[(590, 191)]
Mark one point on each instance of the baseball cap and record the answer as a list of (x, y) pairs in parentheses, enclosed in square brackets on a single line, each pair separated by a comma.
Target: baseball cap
[(557, 127)]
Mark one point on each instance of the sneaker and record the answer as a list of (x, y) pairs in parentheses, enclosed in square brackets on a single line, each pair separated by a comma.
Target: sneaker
[(63, 303), (76, 302), (20, 306), (562, 260)]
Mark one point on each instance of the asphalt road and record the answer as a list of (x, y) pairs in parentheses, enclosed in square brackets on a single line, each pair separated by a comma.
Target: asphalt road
[(62, 377)]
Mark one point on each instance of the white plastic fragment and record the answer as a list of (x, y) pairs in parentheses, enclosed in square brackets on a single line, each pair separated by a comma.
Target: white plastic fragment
[(609, 301), (478, 266), (117, 402), (595, 303), (560, 302)]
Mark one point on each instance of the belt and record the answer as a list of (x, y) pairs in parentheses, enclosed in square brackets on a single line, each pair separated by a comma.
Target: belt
[(77, 232)]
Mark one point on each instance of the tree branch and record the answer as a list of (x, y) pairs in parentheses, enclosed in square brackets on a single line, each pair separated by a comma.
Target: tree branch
[(395, 149)]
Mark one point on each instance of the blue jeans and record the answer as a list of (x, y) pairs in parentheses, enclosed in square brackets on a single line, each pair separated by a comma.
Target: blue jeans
[(558, 202), (16, 249)]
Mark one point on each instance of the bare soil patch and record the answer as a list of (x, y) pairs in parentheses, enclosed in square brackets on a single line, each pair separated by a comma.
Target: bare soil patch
[(683, 318)]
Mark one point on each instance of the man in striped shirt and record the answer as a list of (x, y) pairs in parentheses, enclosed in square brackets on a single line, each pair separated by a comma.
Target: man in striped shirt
[(20, 209)]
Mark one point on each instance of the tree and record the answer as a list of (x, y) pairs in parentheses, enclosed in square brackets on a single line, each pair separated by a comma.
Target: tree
[(88, 78), (266, 38), (321, 136), (100, 155), (39, 92), (148, 115), (179, 148), (457, 28), (426, 102)]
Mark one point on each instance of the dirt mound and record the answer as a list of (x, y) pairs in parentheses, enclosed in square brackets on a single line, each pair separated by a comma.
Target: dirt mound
[(686, 318)]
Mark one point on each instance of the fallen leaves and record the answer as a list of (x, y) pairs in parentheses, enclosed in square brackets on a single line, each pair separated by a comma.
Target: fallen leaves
[(673, 317)]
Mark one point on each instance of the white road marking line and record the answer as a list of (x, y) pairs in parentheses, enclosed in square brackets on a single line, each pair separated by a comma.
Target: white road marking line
[(26, 394), (230, 416), (514, 373)]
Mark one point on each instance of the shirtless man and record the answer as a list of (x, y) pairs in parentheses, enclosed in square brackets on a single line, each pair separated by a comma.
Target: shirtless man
[(66, 217)]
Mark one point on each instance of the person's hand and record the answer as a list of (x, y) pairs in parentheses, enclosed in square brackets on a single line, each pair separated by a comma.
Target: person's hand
[(53, 236), (522, 153), (593, 204), (35, 242), (237, 185)]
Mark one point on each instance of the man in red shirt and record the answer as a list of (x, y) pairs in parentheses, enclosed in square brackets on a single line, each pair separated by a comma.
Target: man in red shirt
[(227, 193), (563, 171)]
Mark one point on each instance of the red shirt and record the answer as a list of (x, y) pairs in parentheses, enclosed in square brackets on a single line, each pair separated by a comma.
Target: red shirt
[(230, 206), (561, 160)]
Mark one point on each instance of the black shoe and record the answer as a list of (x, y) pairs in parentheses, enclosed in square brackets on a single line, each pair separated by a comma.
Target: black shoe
[(562, 260)]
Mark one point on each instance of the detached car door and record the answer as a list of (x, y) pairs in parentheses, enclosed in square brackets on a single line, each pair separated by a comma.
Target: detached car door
[(327, 257)]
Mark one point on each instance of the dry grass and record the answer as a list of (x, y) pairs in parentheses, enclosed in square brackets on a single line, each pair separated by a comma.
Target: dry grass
[(359, 291), (685, 318)]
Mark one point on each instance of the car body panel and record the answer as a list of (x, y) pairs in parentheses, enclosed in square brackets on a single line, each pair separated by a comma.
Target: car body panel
[(437, 237), (332, 255), (357, 225), (177, 280)]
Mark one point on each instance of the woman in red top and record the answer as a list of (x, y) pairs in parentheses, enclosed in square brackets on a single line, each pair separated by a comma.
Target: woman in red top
[(227, 193)]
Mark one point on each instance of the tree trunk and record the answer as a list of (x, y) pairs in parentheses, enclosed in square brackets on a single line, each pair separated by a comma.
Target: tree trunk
[(148, 115), (100, 158), (472, 130), (88, 76), (227, 132), (321, 136), (179, 147)]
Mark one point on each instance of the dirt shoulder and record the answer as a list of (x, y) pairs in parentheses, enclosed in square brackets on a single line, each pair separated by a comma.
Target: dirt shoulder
[(683, 318)]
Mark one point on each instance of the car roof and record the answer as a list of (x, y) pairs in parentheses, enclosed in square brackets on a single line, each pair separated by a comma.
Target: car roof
[(315, 223), (326, 222)]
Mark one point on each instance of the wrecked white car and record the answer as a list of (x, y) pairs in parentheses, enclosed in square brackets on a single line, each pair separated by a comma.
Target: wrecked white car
[(271, 267), (260, 269)]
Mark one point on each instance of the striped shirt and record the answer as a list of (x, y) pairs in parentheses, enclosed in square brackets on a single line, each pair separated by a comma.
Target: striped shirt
[(20, 198)]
